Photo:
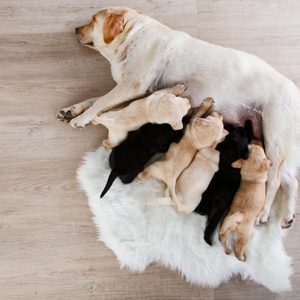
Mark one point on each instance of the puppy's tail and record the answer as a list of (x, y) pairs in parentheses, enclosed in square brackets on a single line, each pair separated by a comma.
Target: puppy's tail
[(211, 226), (111, 178)]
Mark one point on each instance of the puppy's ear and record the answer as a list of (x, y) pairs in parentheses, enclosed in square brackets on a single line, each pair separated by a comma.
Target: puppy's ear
[(177, 126), (224, 134), (113, 26), (237, 164)]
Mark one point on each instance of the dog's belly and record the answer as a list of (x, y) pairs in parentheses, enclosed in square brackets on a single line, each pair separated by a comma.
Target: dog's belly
[(235, 110)]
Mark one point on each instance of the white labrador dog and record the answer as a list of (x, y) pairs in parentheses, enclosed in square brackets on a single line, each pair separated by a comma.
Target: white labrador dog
[(146, 55)]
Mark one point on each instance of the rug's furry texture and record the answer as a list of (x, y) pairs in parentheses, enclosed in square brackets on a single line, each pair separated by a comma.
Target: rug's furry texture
[(140, 235)]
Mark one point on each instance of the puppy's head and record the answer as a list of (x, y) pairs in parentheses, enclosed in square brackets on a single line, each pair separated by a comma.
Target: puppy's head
[(167, 108), (257, 162), (104, 27), (207, 131), (235, 145)]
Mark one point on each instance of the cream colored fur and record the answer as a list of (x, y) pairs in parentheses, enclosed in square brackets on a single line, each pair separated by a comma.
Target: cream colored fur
[(161, 107), (199, 133), (147, 55), (192, 182)]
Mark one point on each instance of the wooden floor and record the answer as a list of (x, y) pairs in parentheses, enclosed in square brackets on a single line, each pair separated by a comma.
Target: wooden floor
[(48, 246)]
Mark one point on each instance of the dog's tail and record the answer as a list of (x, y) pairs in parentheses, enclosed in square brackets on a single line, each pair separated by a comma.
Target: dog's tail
[(111, 178)]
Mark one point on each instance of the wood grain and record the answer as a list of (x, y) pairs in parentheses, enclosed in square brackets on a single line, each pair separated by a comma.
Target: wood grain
[(49, 247)]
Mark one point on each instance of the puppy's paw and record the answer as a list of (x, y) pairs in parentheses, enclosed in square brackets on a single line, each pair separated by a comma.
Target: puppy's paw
[(143, 176), (241, 257), (107, 144), (177, 126), (208, 103), (178, 89), (228, 251), (287, 222)]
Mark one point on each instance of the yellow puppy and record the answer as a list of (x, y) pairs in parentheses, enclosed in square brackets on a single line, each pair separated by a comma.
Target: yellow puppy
[(192, 182), (248, 201), (161, 107), (200, 133)]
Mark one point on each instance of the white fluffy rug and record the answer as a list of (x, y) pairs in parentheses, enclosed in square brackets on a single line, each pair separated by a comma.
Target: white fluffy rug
[(140, 235)]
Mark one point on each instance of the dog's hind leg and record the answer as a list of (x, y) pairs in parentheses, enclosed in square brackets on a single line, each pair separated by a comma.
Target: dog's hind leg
[(154, 170), (242, 241), (275, 153), (273, 183), (289, 186), (223, 237)]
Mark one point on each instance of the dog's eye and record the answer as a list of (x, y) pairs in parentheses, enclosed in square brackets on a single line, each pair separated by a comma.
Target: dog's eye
[(91, 44)]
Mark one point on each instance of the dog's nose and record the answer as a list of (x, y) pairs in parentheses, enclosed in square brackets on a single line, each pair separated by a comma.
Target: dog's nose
[(77, 30)]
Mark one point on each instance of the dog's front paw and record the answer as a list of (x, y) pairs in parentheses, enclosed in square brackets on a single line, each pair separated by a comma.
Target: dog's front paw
[(79, 122), (69, 113), (65, 115)]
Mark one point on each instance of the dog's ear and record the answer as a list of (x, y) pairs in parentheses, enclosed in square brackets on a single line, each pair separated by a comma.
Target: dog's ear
[(113, 26), (237, 164), (224, 134), (177, 125)]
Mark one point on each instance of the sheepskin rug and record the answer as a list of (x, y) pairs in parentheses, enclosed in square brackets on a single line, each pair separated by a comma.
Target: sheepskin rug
[(140, 235)]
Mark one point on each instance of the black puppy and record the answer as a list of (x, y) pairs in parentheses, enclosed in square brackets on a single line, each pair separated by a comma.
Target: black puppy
[(216, 200), (128, 159)]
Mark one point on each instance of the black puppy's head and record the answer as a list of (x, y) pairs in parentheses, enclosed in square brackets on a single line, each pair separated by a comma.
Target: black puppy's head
[(235, 145)]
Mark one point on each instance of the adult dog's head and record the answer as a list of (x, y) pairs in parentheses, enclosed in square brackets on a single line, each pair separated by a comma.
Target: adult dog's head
[(104, 27)]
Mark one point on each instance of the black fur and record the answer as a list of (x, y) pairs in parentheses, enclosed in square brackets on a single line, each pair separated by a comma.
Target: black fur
[(216, 200), (128, 159)]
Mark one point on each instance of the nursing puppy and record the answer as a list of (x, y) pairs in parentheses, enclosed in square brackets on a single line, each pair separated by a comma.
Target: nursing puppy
[(247, 202), (199, 133), (128, 159), (146, 55), (161, 107), (217, 199), (192, 182)]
